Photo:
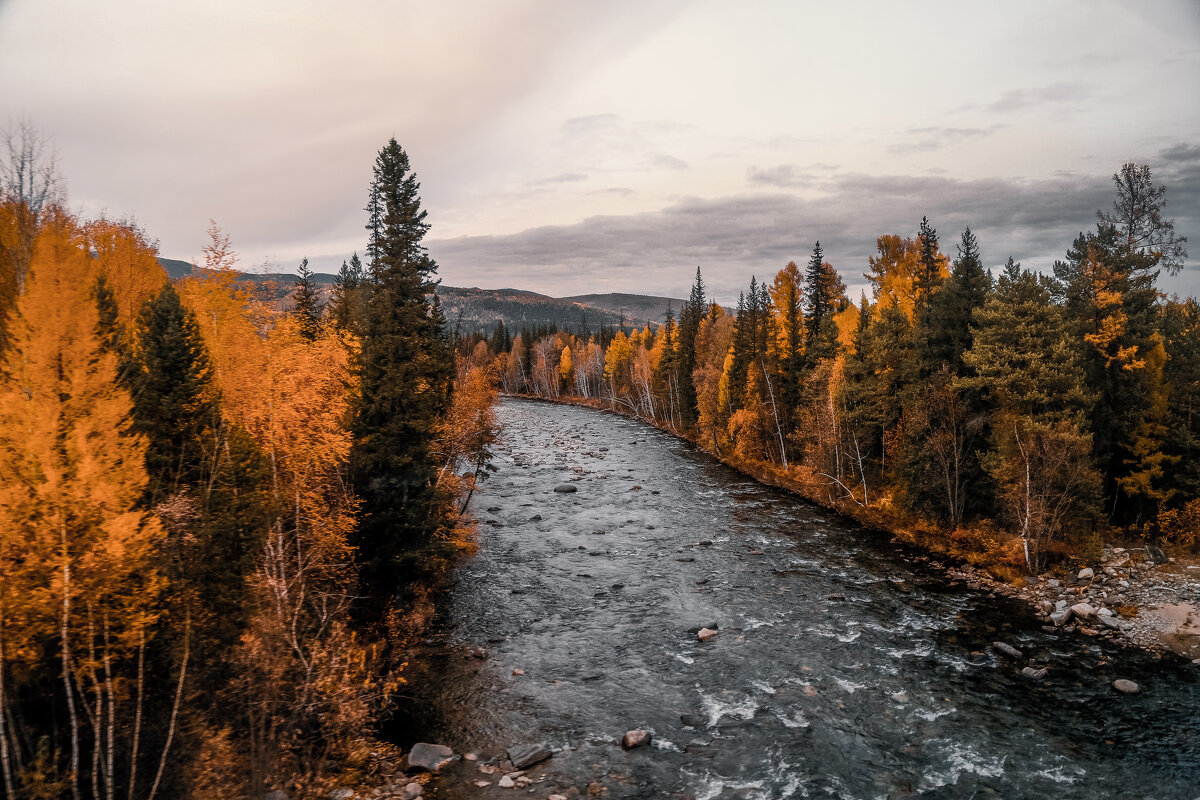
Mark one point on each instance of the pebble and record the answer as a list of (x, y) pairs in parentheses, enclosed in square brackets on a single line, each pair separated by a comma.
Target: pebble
[(429, 757), (1007, 649), (506, 783), (635, 738), (1126, 686)]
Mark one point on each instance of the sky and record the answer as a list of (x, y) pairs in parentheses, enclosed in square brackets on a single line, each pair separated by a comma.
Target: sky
[(570, 147)]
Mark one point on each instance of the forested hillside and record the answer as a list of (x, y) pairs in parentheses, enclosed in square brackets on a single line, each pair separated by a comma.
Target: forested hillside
[(220, 520), (1013, 416)]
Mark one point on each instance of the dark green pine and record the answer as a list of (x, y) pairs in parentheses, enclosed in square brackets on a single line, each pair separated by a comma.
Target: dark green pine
[(405, 370)]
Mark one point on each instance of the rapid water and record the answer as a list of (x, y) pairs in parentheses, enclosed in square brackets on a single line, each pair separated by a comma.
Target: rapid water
[(842, 667)]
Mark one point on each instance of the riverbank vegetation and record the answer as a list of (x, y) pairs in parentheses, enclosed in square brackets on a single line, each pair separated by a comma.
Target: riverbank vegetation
[(1010, 417), (220, 519)]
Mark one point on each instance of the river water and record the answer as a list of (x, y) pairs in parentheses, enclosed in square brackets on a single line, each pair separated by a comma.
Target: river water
[(842, 666)]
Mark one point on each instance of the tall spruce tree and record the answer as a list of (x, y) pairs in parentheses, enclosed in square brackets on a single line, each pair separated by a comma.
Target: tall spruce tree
[(174, 396), (824, 295), (405, 371), (308, 306), (349, 294), (949, 322), (689, 326)]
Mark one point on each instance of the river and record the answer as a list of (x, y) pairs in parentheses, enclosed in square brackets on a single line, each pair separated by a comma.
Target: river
[(842, 666)]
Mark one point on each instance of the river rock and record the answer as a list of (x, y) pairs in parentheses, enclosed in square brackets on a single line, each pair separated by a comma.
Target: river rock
[(526, 755), (1085, 611), (1035, 674), (704, 634), (506, 782), (697, 721), (635, 738), (341, 793), (1086, 574), (411, 792), (1126, 686), (1007, 649), (429, 757), (1061, 617), (1104, 612), (709, 625), (566, 488), (1112, 622), (1046, 606), (1156, 556), (536, 518)]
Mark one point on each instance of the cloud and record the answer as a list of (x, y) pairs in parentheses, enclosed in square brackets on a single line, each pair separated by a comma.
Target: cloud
[(1025, 99), (664, 161), (1181, 154), (924, 139), (566, 177), (733, 237), (784, 176)]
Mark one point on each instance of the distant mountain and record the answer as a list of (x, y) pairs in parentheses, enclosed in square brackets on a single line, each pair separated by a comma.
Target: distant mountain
[(181, 269), (637, 308), (480, 309)]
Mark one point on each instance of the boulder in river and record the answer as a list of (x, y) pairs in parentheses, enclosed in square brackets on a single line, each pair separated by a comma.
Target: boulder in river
[(1125, 686), (566, 488), (635, 738), (1007, 649), (429, 757), (692, 720), (1034, 674), (526, 755), (704, 634)]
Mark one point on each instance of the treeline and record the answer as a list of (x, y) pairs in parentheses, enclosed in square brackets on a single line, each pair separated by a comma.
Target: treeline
[(1010, 416), (219, 521)]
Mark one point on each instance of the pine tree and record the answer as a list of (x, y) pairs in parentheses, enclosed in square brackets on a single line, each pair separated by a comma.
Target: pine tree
[(405, 371), (824, 295), (349, 290), (1137, 216), (689, 326), (175, 404), (307, 304), (948, 333)]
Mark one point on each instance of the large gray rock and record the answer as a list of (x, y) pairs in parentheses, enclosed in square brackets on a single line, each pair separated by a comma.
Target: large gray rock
[(1086, 574), (1126, 686), (1085, 611), (526, 755), (566, 488), (1034, 674), (429, 757), (1061, 617)]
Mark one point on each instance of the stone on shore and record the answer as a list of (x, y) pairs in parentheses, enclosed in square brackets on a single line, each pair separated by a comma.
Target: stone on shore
[(1061, 617), (1126, 686), (1085, 611), (341, 793), (526, 755), (429, 757), (635, 738), (506, 782), (1086, 574), (566, 488)]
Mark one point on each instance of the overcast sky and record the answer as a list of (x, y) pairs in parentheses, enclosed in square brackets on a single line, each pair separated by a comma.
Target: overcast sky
[(572, 147)]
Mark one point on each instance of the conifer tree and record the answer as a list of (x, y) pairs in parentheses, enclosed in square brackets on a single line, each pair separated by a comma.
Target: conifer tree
[(405, 371), (349, 290), (950, 317), (824, 295), (689, 325), (174, 394), (308, 306)]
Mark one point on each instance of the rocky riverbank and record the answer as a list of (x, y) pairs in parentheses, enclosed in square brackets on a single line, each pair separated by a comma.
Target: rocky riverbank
[(1137, 597)]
